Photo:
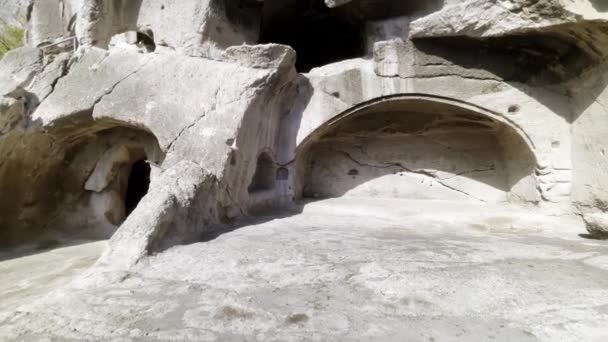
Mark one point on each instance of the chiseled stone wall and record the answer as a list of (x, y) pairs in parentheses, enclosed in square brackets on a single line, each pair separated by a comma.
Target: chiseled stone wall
[(460, 166)]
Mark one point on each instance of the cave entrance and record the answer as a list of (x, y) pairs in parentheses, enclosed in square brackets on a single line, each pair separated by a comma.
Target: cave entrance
[(417, 150), (146, 41), (138, 185), (319, 35)]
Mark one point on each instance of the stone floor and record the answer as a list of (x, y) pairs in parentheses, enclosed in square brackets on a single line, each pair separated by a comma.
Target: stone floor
[(341, 270), (33, 271)]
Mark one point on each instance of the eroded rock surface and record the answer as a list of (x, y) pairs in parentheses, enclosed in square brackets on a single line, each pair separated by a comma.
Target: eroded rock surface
[(347, 269), (153, 123)]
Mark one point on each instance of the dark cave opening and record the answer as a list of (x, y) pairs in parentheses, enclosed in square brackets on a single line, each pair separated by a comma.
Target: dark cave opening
[(319, 35), (245, 15), (137, 185), (264, 176), (146, 41)]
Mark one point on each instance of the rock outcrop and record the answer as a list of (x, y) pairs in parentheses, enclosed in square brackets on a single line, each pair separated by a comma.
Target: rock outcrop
[(14, 12), (155, 122), (597, 224)]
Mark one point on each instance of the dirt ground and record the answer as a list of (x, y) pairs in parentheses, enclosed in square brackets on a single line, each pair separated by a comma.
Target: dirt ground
[(340, 270)]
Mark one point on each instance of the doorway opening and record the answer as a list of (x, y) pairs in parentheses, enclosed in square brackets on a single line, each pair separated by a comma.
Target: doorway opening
[(137, 185), (264, 176), (146, 41)]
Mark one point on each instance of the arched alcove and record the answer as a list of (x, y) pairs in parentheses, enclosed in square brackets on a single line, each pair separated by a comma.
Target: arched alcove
[(78, 179), (146, 40), (264, 176), (418, 147), (122, 173)]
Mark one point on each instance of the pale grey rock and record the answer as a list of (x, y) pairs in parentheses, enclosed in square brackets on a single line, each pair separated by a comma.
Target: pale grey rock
[(106, 169), (336, 3), (590, 102), (18, 67), (430, 269), (483, 18), (579, 20), (262, 56), (30, 79), (597, 224), (161, 124), (125, 90), (165, 214), (205, 31), (55, 67), (14, 12), (88, 81), (476, 18), (393, 59), (49, 22)]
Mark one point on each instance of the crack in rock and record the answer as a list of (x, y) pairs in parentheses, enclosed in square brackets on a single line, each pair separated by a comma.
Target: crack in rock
[(425, 173), (65, 70), (475, 78), (235, 203), (109, 90), (187, 128)]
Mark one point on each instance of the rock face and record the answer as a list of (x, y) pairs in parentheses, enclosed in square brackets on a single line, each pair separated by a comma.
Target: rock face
[(14, 12), (154, 122), (597, 224)]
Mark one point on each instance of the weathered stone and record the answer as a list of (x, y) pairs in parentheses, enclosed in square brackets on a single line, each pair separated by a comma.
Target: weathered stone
[(597, 224), (262, 56), (164, 215), (392, 59), (14, 12), (156, 124)]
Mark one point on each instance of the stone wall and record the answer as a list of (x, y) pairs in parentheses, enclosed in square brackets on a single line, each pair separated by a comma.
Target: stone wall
[(417, 148), (456, 166), (589, 131)]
